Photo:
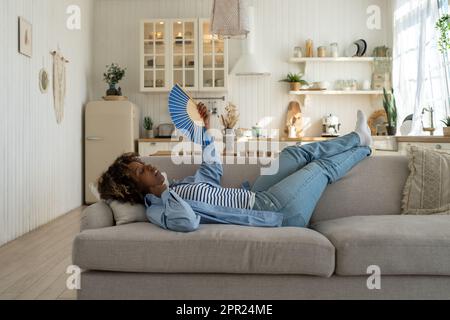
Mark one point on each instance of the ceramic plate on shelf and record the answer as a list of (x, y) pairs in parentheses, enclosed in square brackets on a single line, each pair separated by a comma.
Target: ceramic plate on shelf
[(406, 127), (362, 47), (352, 50)]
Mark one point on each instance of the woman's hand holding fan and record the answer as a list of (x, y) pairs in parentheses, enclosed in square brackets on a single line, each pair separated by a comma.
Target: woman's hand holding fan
[(204, 113)]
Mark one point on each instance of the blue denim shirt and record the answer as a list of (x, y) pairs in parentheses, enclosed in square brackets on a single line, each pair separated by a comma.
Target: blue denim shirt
[(171, 212)]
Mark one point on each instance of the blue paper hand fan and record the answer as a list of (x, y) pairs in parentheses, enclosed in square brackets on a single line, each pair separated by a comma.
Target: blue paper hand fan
[(184, 113)]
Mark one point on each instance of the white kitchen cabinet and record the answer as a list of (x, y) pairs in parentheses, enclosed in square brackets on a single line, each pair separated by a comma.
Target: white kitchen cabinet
[(155, 56), (184, 52), (147, 149), (213, 59)]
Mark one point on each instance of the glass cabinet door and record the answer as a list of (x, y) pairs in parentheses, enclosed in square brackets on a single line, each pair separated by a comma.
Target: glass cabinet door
[(185, 53), (213, 59), (154, 64)]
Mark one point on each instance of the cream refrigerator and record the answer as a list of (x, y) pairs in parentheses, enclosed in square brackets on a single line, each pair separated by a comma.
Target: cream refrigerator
[(111, 129)]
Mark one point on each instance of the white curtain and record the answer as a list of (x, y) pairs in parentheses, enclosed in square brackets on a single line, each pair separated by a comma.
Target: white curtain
[(419, 72)]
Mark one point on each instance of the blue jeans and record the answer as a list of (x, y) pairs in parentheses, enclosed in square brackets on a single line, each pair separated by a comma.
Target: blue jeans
[(304, 173)]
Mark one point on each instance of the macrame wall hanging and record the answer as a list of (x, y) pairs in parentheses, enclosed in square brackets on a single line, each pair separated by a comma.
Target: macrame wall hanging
[(59, 84)]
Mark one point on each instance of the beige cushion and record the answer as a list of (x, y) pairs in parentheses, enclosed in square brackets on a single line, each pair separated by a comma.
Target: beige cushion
[(427, 189), (97, 216), (372, 188), (143, 247), (399, 245), (125, 213)]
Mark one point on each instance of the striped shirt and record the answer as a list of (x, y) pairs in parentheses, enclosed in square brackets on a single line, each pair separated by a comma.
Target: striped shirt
[(223, 197)]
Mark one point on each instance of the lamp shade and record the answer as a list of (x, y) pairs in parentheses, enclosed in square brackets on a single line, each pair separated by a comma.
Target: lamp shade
[(230, 19)]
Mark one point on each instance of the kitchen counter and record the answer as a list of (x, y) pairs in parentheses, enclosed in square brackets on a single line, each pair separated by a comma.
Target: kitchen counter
[(305, 139), (382, 144), (157, 140), (421, 139), (424, 139)]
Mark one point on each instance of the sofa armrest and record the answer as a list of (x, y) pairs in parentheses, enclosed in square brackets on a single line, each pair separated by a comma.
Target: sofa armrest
[(97, 216)]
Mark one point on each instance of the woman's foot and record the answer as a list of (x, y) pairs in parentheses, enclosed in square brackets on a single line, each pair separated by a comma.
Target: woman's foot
[(363, 130)]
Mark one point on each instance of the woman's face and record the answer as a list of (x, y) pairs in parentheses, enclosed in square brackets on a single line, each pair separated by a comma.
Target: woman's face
[(147, 176)]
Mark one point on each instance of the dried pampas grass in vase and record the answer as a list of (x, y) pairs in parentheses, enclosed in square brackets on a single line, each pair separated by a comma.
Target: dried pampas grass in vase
[(230, 118)]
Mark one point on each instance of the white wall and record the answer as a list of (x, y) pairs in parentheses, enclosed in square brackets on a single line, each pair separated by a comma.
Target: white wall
[(40, 161), (281, 25)]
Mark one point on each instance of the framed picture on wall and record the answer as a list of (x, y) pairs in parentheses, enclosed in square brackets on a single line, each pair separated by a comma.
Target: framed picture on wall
[(25, 37)]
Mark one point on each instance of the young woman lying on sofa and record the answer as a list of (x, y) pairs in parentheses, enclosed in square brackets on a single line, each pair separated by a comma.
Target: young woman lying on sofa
[(287, 198)]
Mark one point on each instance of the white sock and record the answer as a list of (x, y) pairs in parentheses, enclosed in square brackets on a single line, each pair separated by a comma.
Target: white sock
[(363, 130)]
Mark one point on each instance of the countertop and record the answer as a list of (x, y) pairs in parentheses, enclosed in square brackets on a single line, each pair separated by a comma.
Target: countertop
[(305, 139), (421, 139)]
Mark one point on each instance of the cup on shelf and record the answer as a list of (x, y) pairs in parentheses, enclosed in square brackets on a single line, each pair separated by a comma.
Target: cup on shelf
[(367, 85)]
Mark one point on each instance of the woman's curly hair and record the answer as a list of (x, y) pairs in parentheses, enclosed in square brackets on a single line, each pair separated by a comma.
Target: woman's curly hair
[(117, 182)]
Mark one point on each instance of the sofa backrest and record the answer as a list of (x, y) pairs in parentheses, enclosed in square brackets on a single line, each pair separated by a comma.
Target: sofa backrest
[(374, 187)]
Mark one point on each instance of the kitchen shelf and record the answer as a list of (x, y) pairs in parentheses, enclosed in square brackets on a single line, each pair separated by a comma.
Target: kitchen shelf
[(338, 59), (336, 92)]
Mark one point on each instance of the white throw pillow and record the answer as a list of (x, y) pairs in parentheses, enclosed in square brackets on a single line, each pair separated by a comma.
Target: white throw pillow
[(94, 189), (125, 213)]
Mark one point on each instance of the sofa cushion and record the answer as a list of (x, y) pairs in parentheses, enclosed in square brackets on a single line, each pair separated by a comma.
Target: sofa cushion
[(143, 247), (126, 213), (399, 245), (97, 216), (360, 191), (427, 189)]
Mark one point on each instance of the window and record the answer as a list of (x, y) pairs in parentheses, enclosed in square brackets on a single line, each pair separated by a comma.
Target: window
[(421, 72)]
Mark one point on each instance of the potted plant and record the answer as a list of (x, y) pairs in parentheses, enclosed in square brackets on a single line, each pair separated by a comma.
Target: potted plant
[(390, 106), (114, 73), (446, 121), (295, 80), (148, 126), (443, 26)]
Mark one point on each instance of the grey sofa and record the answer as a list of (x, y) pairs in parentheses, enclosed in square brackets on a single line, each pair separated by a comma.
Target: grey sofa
[(357, 224)]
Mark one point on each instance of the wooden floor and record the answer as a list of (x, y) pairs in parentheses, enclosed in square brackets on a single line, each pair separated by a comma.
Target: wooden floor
[(33, 267)]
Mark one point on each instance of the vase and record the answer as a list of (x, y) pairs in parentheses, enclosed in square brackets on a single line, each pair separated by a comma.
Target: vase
[(229, 139), (391, 131), (112, 91), (446, 131), (149, 134)]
